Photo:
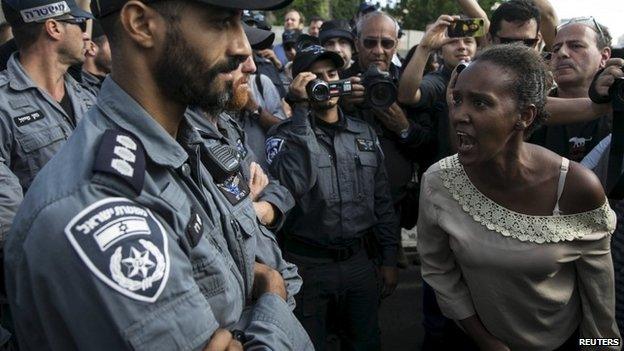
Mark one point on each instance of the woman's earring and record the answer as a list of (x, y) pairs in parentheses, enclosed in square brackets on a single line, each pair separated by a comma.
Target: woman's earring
[(519, 126)]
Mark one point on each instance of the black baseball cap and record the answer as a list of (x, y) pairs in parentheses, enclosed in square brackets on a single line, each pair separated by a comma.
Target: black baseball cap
[(258, 38), (21, 12), (366, 7), (101, 8), (336, 29), (290, 36), (306, 57)]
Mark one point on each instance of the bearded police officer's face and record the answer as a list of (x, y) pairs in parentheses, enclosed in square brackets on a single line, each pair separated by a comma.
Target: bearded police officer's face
[(200, 54)]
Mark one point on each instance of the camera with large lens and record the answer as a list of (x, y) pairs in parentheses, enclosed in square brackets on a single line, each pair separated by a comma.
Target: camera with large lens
[(616, 94), (319, 90), (381, 91)]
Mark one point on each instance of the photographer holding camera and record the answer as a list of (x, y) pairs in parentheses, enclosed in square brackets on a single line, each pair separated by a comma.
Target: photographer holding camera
[(374, 100), (333, 166)]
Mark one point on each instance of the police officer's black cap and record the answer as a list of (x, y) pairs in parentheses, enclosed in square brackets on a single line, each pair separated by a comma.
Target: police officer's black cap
[(366, 7), (101, 8), (336, 29), (290, 36), (20, 12), (97, 30), (306, 58), (258, 39)]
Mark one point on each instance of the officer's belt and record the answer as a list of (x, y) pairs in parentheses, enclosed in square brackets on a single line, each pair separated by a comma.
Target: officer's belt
[(299, 247)]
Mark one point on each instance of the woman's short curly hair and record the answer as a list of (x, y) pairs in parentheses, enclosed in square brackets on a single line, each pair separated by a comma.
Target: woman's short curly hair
[(532, 79)]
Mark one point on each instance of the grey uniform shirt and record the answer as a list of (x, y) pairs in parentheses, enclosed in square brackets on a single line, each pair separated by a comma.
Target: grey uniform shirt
[(128, 251), (239, 209), (33, 126), (10, 198), (339, 183)]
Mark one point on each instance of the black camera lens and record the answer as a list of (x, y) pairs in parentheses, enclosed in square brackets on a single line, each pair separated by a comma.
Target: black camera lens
[(381, 94), (318, 90)]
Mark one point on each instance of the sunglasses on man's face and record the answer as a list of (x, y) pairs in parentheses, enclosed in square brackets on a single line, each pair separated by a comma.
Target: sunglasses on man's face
[(531, 42), (80, 22), (386, 43)]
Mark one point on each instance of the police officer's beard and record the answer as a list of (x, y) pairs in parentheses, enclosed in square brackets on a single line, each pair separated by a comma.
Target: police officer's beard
[(182, 75), (240, 96)]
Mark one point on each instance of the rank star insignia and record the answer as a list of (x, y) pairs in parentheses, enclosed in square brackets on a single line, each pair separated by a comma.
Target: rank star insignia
[(139, 262)]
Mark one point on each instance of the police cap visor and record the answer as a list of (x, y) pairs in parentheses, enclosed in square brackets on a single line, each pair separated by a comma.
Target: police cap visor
[(101, 8)]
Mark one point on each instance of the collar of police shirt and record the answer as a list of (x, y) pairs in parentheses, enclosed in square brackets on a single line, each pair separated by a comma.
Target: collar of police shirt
[(160, 147)]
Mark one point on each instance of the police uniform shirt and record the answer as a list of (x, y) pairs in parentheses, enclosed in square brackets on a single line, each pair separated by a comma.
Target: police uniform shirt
[(340, 184), (10, 198), (235, 204), (127, 251), (33, 126)]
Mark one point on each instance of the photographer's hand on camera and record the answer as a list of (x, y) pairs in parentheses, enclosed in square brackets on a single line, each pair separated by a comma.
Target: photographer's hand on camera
[(349, 102), (393, 118), (436, 35), (614, 69)]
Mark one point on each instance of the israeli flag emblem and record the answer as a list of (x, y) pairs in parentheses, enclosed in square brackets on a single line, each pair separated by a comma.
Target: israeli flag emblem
[(124, 245)]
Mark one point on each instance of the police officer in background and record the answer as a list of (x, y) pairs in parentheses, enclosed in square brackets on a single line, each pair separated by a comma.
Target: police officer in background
[(249, 202), (132, 231), (40, 103), (333, 166), (98, 62), (400, 137)]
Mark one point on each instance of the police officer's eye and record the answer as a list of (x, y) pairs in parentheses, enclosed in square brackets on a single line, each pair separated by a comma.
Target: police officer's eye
[(456, 99)]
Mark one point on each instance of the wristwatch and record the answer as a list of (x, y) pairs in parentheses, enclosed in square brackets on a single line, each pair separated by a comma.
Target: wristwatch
[(255, 114), (404, 133)]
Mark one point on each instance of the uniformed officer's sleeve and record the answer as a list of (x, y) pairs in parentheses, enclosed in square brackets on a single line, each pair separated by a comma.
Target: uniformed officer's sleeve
[(273, 326), (275, 194), (387, 226), (10, 198), (97, 273), (293, 156), (269, 253)]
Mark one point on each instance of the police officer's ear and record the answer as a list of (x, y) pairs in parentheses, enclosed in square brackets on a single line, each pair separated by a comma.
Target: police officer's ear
[(54, 29), (142, 24), (91, 49)]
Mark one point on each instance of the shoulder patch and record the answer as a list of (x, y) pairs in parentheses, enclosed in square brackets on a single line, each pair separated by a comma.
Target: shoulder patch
[(124, 245), (273, 146), (122, 155)]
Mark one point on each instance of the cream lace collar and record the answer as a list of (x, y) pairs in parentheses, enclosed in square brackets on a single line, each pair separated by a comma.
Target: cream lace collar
[(537, 229)]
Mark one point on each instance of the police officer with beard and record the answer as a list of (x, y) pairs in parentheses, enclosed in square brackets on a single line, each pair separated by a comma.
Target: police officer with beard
[(131, 228), (333, 166)]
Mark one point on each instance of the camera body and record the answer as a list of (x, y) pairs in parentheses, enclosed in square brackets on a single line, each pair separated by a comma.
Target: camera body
[(616, 94), (467, 27), (381, 91), (319, 90)]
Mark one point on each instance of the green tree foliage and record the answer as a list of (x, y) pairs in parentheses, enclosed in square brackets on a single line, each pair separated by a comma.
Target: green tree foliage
[(327, 9), (416, 14)]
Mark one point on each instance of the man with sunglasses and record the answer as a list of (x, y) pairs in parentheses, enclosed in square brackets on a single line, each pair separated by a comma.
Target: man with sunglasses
[(39, 101), (581, 48)]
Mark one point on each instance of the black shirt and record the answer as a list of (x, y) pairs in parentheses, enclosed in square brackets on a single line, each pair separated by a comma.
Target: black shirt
[(66, 104), (573, 141)]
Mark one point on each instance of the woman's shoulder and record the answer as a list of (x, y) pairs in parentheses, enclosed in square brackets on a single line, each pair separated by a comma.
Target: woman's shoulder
[(582, 191)]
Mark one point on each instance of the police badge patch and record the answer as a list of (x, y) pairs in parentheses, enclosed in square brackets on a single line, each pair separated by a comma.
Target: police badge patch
[(273, 146), (124, 245)]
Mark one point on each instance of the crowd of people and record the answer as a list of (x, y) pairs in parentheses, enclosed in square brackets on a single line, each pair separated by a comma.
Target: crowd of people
[(171, 178)]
